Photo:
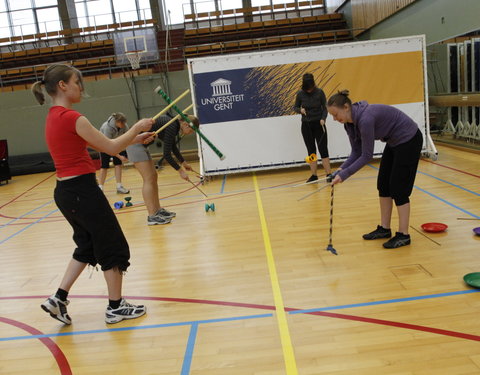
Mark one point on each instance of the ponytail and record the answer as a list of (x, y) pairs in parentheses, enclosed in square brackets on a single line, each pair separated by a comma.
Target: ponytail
[(38, 92), (52, 75), (339, 99)]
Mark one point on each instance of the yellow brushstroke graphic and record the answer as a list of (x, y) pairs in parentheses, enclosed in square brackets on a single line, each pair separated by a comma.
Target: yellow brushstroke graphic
[(394, 78)]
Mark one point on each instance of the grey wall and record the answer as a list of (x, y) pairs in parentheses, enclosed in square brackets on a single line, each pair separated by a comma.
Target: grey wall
[(22, 118), (437, 19)]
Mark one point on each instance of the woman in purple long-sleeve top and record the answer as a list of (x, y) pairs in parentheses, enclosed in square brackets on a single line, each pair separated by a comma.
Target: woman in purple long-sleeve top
[(365, 123)]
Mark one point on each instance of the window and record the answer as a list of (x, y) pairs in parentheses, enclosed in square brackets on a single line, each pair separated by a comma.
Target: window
[(48, 20), (24, 17), (19, 4), (45, 3), (23, 22), (125, 10), (104, 12), (174, 12), (257, 3), (230, 4), (92, 13)]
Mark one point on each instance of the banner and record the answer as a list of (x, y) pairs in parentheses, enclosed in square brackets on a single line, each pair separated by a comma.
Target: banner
[(250, 96)]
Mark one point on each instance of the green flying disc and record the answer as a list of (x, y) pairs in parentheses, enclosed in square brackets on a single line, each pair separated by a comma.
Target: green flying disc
[(472, 279)]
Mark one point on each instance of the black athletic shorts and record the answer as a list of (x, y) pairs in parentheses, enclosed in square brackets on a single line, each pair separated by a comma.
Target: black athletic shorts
[(105, 159), (96, 231), (398, 169)]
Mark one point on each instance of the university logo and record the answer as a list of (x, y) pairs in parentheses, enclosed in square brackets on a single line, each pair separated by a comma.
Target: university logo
[(221, 87), (222, 98)]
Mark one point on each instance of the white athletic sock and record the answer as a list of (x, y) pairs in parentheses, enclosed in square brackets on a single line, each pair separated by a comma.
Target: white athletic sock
[(119, 185)]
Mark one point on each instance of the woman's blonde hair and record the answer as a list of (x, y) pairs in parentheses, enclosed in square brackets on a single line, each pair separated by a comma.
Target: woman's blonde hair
[(52, 75)]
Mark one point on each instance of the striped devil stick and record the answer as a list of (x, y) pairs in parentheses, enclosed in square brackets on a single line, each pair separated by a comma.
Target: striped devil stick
[(174, 119), (171, 104), (330, 246), (159, 91)]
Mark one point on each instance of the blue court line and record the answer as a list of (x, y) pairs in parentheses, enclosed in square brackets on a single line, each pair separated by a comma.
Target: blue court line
[(165, 325), (222, 189), (187, 359), (447, 202), (245, 317), (407, 299), (28, 213), (441, 199), (28, 226), (450, 183)]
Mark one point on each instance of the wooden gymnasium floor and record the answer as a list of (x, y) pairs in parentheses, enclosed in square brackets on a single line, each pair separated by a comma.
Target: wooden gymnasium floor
[(250, 288)]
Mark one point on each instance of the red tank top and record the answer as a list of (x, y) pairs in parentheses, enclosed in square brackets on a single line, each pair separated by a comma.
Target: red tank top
[(68, 150)]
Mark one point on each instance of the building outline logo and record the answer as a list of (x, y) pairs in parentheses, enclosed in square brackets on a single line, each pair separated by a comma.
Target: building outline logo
[(221, 87)]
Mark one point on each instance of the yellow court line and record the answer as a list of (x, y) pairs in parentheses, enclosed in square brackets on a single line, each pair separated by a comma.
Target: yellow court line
[(288, 355)]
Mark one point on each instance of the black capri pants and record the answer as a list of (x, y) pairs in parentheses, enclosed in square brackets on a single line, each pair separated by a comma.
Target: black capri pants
[(313, 132), (105, 159), (398, 169), (96, 231)]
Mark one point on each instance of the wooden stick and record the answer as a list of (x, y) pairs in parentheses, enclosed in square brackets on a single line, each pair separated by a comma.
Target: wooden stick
[(313, 192), (200, 190), (174, 119), (171, 104)]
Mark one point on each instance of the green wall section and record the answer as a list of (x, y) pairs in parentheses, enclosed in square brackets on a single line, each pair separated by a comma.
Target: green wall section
[(437, 19), (22, 119)]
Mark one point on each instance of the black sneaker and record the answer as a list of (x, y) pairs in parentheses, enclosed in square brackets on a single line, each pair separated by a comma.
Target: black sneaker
[(329, 177), (312, 178), (398, 240), (380, 232)]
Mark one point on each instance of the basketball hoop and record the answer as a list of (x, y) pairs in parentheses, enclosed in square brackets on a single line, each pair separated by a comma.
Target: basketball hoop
[(134, 58)]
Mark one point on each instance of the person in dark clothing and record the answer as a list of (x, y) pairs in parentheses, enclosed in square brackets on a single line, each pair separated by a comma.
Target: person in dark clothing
[(365, 123), (311, 102), (169, 135)]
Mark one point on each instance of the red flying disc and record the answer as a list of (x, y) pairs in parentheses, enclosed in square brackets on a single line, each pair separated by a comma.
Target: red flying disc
[(434, 227)]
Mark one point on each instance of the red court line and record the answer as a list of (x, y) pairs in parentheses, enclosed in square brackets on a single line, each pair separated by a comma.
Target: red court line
[(26, 191), (453, 169), (388, 323), (124, 211), (49, 343)]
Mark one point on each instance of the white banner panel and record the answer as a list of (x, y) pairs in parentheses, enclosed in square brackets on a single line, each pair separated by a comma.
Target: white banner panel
[(245, 101)]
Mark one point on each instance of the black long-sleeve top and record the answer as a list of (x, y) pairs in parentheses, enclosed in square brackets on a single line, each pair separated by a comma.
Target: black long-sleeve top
[(168, 136), (315, 104)]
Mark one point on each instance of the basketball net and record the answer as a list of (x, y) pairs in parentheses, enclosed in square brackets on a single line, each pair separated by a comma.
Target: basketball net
[(134, 58)]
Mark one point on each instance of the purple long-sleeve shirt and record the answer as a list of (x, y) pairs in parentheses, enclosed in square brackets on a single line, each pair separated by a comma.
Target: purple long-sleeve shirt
[(372, 122)]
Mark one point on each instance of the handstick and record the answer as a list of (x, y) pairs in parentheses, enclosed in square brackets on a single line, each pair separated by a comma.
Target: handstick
[(200, 190), (311, 193), (330, 246), (174, 119), (312, 182), (171, 104), (159, 91)]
